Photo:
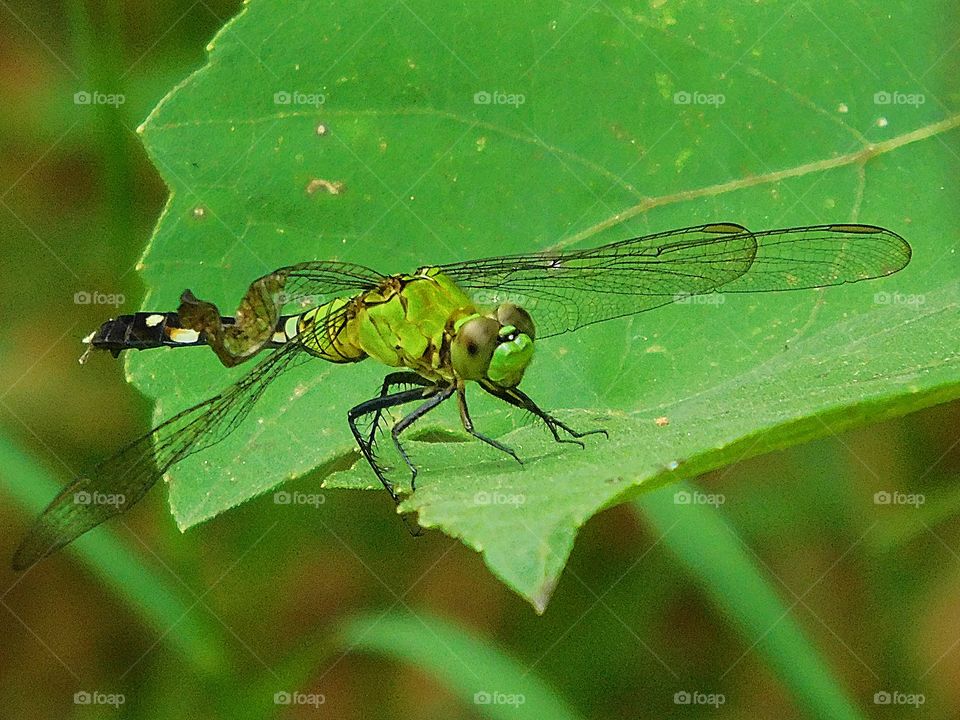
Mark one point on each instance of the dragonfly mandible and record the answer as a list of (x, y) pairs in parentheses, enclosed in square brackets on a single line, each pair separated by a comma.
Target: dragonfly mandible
[(432, 326)]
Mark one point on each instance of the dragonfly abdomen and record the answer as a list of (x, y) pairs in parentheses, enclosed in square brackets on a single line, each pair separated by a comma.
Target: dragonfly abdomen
[(146, 330)]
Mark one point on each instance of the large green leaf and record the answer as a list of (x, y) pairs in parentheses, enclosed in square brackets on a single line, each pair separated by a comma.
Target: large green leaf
[(362, 132)]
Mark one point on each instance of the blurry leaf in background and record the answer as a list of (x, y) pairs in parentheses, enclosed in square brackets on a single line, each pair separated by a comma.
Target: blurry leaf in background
[(478, 673)]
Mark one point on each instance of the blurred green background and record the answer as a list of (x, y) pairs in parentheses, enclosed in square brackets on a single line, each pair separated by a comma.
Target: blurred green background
[(268, 599)]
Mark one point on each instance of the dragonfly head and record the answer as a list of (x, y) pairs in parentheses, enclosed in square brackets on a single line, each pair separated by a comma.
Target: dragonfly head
[(497, 347)]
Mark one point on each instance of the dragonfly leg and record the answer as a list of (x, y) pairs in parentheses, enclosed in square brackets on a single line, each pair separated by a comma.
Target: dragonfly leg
[(255, 320), (392, 380), (409, 419), (520, 399), (468, 426), (376, 405)]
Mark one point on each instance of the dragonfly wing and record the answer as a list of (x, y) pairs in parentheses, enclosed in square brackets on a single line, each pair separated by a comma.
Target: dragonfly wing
[(314, 283), (261, 308), (820, 256), (120, 481), (565, 291)]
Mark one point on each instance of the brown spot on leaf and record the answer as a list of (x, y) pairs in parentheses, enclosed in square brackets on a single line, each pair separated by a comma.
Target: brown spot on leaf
[(317, 184)]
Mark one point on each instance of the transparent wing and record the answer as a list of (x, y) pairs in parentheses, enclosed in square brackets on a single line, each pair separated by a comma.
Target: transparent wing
[(314, 283), (122, 480), (293, 288), (565, 291)]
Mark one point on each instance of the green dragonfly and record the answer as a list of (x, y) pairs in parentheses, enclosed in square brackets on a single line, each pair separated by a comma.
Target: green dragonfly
[(446, 326)]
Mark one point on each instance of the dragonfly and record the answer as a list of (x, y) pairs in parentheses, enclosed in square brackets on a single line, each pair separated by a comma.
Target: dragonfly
[(441, 329)]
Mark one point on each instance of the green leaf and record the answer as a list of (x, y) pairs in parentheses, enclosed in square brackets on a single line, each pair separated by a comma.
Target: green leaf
[(361, 133), (477, 672), (160, 604), (699, 536), (492, 683), (524, 519)]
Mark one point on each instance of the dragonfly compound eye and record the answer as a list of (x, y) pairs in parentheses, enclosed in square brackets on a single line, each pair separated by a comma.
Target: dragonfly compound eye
[(473, 345), (510, 314), (511, 358)]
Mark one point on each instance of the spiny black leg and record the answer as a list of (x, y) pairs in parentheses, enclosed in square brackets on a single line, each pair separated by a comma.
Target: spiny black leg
[(410, 419), (520, 399), (552, 422), (468, 426), (392, 380), (375, 405)]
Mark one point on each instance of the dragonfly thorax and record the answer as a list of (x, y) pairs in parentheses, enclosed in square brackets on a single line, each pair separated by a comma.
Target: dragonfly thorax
[(497, 347)]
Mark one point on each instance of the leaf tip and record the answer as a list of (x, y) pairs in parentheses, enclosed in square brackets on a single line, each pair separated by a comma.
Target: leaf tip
[(542, 596)]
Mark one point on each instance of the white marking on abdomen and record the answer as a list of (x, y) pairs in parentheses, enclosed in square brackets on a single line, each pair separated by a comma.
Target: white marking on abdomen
[(290, 328), (182, 335)]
